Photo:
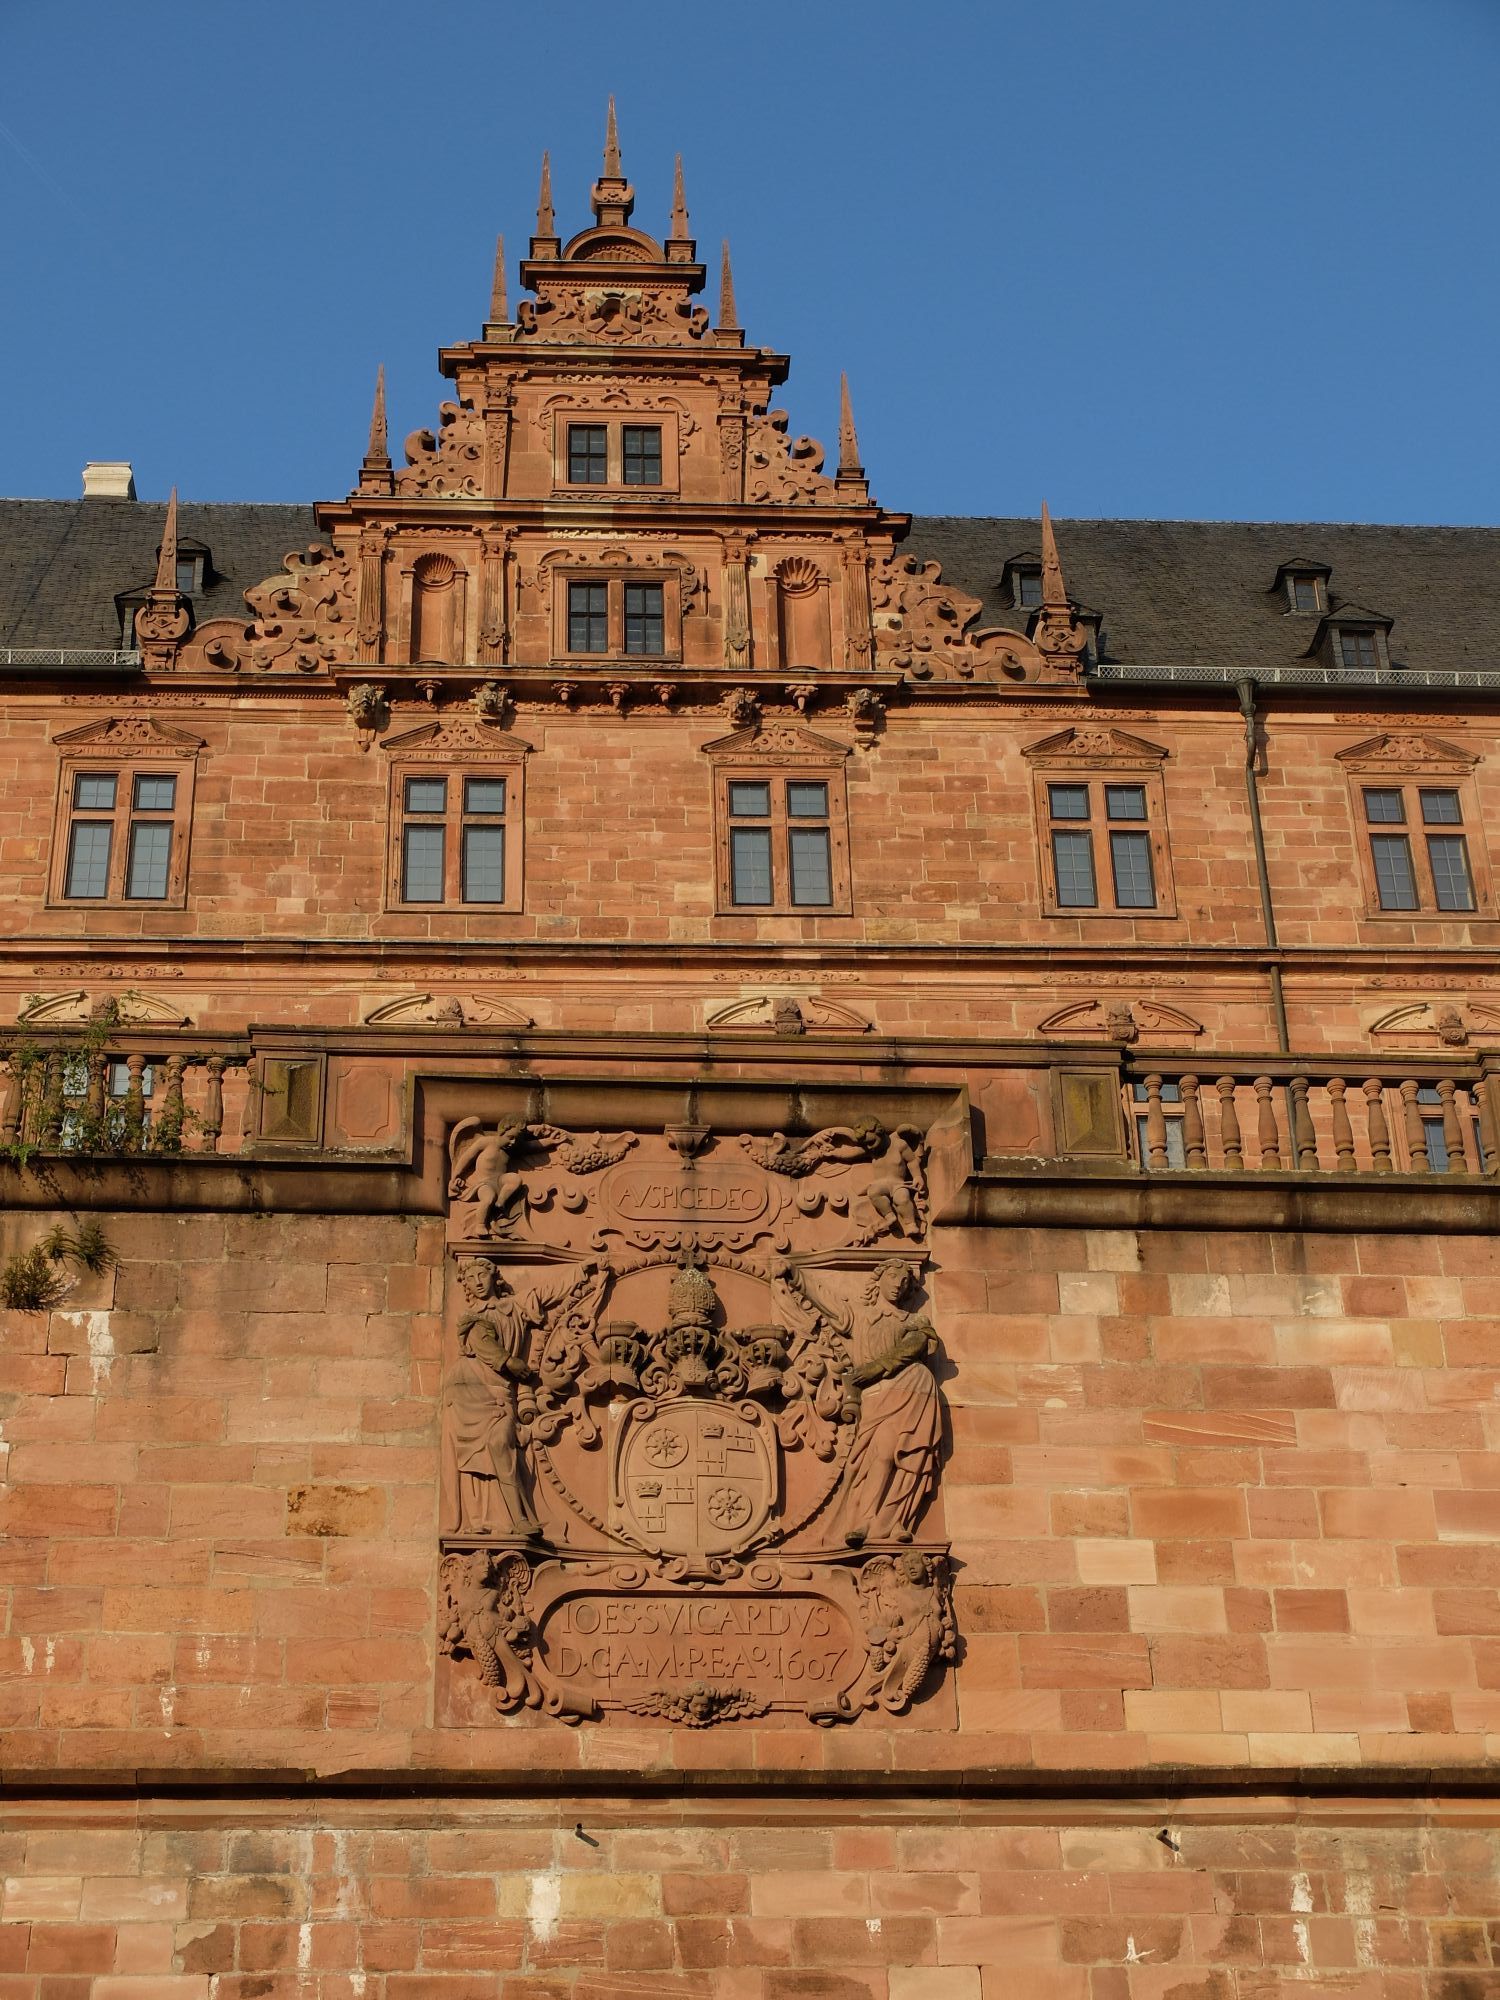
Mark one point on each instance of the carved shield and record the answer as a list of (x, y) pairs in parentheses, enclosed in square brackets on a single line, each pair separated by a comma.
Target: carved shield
[(695, 1478)]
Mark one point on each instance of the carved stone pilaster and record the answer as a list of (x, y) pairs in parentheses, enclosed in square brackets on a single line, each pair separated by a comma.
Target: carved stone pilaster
[(857, 629), (732, 448), (370, 613), (494, 621), (499, 409), (736, 606)]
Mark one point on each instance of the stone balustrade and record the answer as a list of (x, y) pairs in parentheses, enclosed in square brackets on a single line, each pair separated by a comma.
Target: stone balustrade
[(125, 1094)]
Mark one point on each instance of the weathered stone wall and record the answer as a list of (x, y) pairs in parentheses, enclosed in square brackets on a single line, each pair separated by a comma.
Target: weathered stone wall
[(1213, 1499), (479, 1901)]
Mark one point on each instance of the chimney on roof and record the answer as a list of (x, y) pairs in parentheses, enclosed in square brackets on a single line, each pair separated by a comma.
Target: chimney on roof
[(108, 479)]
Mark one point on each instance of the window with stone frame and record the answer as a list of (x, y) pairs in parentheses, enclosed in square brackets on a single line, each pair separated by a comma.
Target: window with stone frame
[(1418, 828), (781, 826), (618, 616), (595, 449), (1101, 825), (123, 816), (456, 826)]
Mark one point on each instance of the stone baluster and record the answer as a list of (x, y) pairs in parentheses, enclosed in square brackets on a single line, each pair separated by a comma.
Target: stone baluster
[(97, 1103), (135, 1099), (1453, 1131), (15, 1104), (1229, 1125), (1194, 1150), (52, 1100), (1156, 1126), (1380, 1133), (173, 1112), (213, 1107), (1489, 1138), (1304, 1138), (1416, 1132), (1268, 1133), (1343, 1132)]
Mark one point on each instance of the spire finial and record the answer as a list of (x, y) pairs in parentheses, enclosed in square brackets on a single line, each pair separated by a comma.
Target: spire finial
[(612, 146), (545, 224), (728, 319), (1054, 590), (499, 306), (378, 449), (848, 437), (679, 227), (166, 559)]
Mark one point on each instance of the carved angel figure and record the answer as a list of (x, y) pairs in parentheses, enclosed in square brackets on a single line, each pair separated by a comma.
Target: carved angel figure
[(482, 1173), (484, 1615), (897, 1191), (897, 1413), (909, 1624)]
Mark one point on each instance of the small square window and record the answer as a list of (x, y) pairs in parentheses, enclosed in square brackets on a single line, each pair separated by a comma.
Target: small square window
[(1384, 807), (1125, 801), (1441, 808), (153, 793), (94, 791), (806, 801), (750, 801), (640, 454), (1068, 801), (484, 795), (426, 795), (588, 454)]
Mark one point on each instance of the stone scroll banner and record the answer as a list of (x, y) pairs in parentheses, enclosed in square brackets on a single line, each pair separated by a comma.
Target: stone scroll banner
[(692, 1424)]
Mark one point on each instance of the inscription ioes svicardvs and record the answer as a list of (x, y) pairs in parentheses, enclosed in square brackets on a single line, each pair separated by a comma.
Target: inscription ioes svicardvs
[(691, 1425)]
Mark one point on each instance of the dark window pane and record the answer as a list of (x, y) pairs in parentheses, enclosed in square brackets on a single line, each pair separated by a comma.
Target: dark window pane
[(1305, 593), (1451, 882), (1384, 808), (1171, 1093), (804, 801), (1358, 649), (749, 864), (1395, 880), (484, 795), (88, 857), (150, 857), (422, 864), (94, 791), (154, 794), (641, 455), (484, 864), (1069, 801), (1073, 860), (187, 574), (1176, 1149), (1441, 808), (750, 801), (643, 618), (588, 454), (1130, 858), (426, 795), (588, 618), (119, 1079), (812, 873), (1125, 801), (1028, 586)]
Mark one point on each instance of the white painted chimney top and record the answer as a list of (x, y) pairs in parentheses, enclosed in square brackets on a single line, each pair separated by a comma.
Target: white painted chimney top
[(108, 479)]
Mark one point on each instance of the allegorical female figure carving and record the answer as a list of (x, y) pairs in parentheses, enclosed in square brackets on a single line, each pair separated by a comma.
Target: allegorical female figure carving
[(898, 1418), (481, 1453)]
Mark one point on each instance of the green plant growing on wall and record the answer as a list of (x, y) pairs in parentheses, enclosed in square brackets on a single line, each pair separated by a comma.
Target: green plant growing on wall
[(34, 1280), (62, 1100)]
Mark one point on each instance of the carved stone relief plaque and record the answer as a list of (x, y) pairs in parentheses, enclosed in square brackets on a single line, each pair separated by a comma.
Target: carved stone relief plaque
[(692, 1426)]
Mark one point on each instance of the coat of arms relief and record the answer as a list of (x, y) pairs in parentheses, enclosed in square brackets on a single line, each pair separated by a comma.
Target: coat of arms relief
[(692, 1424)]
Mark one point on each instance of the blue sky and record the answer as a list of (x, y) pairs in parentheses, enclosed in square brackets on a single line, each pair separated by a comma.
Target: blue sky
[(1206, 258)]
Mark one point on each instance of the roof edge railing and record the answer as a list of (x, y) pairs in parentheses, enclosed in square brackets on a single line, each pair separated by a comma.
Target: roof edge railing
[(1392, 678), (27, 658)]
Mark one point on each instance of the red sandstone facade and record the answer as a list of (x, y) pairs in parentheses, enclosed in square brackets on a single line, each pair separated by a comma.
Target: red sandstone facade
[(709, 1381)]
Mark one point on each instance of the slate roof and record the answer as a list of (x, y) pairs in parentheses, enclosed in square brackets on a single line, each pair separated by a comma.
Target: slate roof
[(1170, 593)]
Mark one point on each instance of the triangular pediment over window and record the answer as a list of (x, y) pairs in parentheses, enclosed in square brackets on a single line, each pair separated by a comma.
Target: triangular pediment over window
[(781, 740), (457, 735), (1405, 750), (1095, 745), (129, 732)]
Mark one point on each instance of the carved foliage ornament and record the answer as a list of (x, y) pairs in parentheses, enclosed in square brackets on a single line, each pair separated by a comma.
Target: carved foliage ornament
[(301, 621), (691, 1425)]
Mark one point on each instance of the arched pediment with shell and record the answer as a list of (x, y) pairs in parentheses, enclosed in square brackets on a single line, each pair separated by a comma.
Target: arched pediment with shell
[(788, 1014), (78, 1008), (1122, 1021), (450, 1010)]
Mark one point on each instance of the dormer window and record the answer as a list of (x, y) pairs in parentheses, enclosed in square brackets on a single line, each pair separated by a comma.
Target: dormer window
[(1358, 650), (1304, 586), (188, 570), (1028, 588), (1021, 582)]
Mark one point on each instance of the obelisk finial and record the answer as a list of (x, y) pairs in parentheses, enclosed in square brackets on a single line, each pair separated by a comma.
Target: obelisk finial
[(1054, 590), (499, 306), (166, 555), (612, 146), (728, 318), (545, 222), (378, 447), (679, 228)]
